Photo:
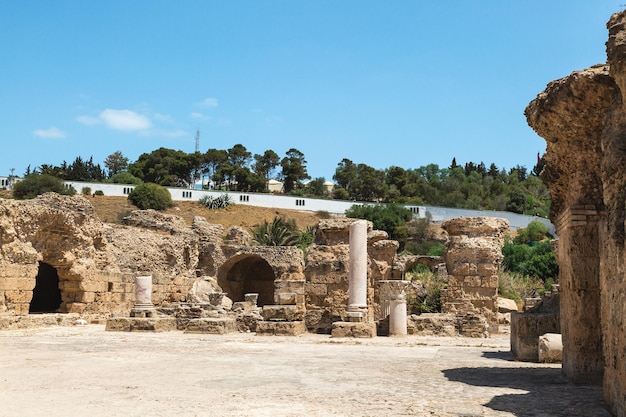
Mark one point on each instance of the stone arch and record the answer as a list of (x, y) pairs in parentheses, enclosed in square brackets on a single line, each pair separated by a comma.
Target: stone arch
[(46, 294), (247, 273)]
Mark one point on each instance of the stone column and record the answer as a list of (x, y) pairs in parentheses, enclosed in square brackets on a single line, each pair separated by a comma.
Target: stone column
[(392, 298), (397, 316), (143, 298), (357, 284), (579, 272)]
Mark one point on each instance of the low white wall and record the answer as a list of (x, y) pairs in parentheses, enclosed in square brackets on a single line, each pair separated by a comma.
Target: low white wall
[(335, 207)]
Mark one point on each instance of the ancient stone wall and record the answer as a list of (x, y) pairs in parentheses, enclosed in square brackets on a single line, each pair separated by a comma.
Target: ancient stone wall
[(583, 120), (327, 272), (473, 256)]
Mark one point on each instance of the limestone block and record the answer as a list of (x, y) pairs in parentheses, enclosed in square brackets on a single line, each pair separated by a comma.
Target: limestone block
[(211, 325), (290, 286), (353, 329), (285, 298), (282, 312), (490, 281), (506, 305), (118, 324), (76, 307), (280, 328), (17, 284), (487, 269), (18, 296), (504, 318), (433, 324), (86, 297), (550, 348)]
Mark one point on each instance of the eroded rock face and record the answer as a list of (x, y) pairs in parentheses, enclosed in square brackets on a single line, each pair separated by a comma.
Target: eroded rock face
[(583, 120)]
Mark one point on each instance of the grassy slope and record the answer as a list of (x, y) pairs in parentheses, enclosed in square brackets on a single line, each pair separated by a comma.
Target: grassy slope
[(113, 209)]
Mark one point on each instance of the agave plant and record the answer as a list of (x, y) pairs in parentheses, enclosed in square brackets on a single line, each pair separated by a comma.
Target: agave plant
[(280, 232), (214, 203)]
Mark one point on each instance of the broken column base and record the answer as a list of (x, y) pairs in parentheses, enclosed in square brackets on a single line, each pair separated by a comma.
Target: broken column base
[(353, 329), (280, 328), (143, 310), (140, 324)]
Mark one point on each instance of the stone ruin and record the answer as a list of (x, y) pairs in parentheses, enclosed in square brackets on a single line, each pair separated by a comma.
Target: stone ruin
[(583, 120), (154, 272)]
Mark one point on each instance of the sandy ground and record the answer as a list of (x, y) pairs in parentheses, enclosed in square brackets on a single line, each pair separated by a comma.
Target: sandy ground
[(86, 371)]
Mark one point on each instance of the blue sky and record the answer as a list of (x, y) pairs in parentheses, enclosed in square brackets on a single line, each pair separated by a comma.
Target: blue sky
[(403, 83)]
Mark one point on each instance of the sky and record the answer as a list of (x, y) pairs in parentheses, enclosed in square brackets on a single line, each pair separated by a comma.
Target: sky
[(384, 83)]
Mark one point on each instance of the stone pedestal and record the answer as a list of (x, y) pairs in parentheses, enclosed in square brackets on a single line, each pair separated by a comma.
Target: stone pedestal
[(393, 304), (143, 298), (397, 317)]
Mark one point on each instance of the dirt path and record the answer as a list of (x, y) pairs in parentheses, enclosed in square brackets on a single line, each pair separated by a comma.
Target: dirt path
[(85, 371)]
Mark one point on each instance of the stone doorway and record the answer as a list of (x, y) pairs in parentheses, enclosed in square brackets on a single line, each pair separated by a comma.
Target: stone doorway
[(248, 274), (46, 294)]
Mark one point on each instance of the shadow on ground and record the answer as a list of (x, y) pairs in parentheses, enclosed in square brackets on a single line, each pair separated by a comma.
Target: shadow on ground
[(547, 391)]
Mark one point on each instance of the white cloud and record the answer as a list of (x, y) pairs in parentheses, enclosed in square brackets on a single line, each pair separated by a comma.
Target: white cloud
[(126, 120), (199, 116), (208, 102), (50, 133), (165, 118), (88, 120)]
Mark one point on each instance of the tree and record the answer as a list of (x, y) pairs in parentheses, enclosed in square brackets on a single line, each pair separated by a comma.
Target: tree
[(345, 173), (35, 184), (265, 164), (163, 166), (387, 217), (213, 159), (316, 187), (124, 178), (115, 163), (369, 184), (293, 169), (150, 196)]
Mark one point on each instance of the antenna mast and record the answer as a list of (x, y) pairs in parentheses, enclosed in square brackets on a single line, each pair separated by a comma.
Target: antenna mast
[(197, 140)]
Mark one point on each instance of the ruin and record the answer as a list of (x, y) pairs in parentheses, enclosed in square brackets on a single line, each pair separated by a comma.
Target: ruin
[(154, 272), (582, 119)]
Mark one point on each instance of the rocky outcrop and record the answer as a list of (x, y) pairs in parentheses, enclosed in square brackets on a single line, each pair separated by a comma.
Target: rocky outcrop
[(583, 120)]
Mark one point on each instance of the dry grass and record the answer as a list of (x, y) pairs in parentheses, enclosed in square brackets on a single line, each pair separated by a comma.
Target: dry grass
[(113, 209)]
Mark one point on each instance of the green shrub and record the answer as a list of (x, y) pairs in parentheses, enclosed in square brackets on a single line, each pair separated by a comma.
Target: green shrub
[(214, 203), (98, 192), (124, 178), (534, 232), (150, 196), (535, 260), (388, 217), (35, 184), (428, 300), (518, 287), (323, 214), (86, 191)]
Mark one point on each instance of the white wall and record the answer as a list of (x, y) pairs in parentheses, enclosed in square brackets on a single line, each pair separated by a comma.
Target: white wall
[(335, 207)]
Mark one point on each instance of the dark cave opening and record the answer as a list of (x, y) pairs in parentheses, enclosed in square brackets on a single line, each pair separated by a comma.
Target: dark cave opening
[(46, 294)]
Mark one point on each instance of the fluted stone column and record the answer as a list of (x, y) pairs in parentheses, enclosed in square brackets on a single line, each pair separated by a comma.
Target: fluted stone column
[(143, 298), (357, 284)]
